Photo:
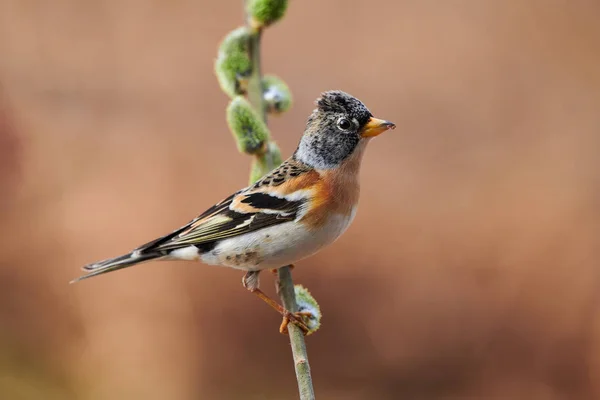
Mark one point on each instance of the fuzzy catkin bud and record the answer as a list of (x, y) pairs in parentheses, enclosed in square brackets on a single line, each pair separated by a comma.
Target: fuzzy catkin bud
[(249, 130), (276, 95), (308, 304), (264, 163), (265, 12), (233, 65)]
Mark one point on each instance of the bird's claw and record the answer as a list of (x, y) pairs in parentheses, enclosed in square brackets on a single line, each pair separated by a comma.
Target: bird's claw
[(297, 319)]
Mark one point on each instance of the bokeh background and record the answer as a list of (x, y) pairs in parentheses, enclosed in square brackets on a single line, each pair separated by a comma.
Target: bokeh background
[(472, 269)]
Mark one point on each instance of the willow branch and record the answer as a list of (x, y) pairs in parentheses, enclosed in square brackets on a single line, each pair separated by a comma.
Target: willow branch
[(285, 288), (285, 284)]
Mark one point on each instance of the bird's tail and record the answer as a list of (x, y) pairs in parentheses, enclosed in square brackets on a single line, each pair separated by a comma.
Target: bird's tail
[(113, 264)]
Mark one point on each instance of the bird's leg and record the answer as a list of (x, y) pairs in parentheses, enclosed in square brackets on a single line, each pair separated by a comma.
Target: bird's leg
[(250, 282)]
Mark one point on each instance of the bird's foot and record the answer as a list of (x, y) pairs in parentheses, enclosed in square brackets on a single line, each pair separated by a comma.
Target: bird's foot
[(250, 282), (297, 319)]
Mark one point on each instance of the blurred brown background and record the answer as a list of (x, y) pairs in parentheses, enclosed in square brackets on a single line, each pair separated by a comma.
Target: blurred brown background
[(471, 271)]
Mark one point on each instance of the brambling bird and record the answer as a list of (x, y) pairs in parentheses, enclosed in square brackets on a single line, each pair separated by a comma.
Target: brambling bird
[(291, 213)]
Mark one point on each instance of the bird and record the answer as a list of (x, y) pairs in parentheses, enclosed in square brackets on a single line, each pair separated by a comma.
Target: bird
[(289, 214)]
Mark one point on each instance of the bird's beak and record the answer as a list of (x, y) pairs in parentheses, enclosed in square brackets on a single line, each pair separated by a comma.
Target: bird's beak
[(375, 127)]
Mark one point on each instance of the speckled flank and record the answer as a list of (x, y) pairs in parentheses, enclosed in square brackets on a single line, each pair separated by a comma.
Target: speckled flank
[(244, 258)]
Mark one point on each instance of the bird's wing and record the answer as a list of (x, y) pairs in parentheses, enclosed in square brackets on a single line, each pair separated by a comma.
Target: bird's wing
[(281, 196)]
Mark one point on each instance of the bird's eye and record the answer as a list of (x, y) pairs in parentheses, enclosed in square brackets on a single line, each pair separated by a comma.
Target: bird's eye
[(344, 124)]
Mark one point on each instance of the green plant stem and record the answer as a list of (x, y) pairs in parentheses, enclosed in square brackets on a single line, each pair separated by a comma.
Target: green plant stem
[(285, 288), (285, 284), (255, 94)]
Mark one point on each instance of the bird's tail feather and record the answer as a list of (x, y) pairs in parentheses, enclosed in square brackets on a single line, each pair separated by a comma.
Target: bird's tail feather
[(113, 264)]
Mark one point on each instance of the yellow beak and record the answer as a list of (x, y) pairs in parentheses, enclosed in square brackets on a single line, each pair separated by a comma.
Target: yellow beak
[(375, 127)]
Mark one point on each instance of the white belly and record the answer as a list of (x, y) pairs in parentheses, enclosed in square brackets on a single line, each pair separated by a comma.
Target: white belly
[(277, 245)]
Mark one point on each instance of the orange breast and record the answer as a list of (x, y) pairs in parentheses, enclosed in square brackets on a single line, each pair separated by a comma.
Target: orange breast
[(336, 192)]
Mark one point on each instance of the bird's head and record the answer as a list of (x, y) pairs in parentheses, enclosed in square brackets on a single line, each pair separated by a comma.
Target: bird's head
[(335, 129)]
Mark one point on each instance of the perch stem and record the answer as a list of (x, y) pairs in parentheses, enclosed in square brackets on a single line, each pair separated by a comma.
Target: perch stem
[(284, 280)]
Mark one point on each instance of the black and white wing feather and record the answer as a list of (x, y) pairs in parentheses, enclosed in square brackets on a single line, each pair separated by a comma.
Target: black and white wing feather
[(261, 205)]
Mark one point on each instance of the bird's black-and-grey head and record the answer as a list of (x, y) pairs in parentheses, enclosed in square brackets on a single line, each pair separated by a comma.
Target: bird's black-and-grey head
[(335, 129)]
